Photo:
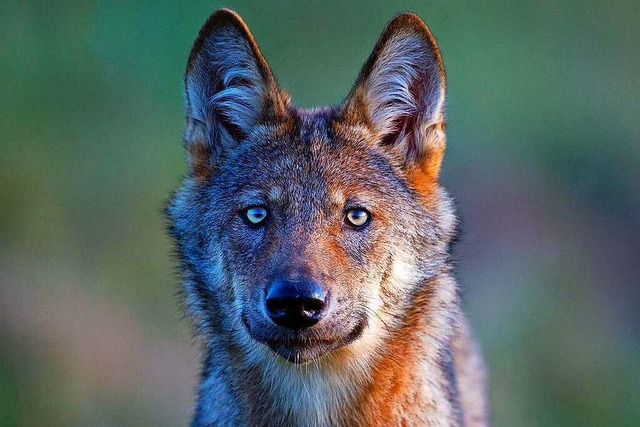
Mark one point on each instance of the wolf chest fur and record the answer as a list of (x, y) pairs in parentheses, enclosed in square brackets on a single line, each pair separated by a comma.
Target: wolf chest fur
[(314, 243)]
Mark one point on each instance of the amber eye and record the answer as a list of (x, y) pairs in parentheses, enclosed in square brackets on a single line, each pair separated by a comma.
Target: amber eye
[(256, 214), (357, 217)]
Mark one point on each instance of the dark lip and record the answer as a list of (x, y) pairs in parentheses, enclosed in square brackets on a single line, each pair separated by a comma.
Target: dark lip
[(299, 350)]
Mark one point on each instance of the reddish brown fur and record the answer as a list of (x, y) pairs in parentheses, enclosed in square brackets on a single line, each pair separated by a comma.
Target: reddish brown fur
[(200, 164), (391, 398)]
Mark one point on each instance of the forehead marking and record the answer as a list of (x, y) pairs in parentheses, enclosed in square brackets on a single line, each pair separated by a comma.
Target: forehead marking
[(275, 193), (337, 196)]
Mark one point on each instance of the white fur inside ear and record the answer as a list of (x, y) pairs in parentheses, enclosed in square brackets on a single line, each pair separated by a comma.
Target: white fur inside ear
[(241, 97), (225, 85), (404, 92)]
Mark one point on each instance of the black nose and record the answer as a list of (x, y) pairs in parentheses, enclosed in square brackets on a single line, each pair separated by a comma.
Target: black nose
[(295, 305)]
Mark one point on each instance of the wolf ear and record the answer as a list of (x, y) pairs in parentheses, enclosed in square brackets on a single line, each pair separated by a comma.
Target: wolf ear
[(229, 89), (400, 93)]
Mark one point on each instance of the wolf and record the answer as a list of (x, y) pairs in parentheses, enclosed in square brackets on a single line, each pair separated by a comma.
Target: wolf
[(314, 244)]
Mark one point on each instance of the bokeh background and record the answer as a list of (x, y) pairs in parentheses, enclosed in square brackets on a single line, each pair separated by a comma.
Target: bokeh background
[(543, 159)]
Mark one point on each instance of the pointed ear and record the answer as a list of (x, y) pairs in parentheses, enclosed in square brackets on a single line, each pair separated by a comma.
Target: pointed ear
[(229, 89), (400, 94)]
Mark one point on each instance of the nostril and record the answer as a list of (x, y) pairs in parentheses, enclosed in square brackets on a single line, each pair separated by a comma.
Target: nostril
[(277, 305), (313, 305)]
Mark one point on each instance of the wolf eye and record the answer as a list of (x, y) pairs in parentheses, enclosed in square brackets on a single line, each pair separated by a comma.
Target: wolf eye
[(357, 217), (256, 214)]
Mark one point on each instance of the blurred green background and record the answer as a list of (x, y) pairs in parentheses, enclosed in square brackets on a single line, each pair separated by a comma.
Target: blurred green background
[(543, 159)]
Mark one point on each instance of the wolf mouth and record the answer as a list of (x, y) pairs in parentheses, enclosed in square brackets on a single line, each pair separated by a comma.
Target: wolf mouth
[(304, 349)]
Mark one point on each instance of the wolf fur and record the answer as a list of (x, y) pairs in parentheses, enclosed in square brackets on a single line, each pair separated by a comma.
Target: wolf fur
[(394, 347)]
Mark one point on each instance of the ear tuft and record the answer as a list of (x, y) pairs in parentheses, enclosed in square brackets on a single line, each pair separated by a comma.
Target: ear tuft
[(400, 91)]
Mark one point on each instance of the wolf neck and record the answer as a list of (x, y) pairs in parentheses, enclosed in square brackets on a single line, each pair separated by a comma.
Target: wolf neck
[(407, 378)]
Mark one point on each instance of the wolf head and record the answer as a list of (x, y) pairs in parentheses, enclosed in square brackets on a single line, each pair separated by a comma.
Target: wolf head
[(303, 232)]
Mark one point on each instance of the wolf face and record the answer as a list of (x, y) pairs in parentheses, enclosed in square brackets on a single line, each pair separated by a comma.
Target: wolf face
[(305, 233)]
